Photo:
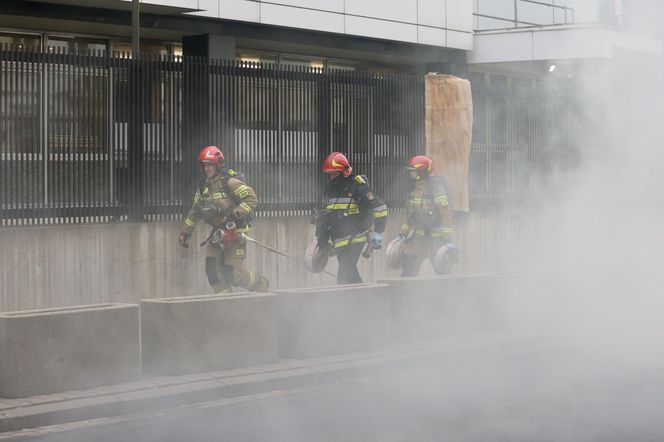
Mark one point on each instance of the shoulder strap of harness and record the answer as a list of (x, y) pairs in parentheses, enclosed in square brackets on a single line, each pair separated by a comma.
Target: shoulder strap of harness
[(230, 173), (357, 181), (202, 184)]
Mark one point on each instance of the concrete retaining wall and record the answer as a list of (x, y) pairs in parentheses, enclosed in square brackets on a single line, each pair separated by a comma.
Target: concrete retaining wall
[(314, 322), (47, 351), (207, 333), (436, 307), (73, 265)]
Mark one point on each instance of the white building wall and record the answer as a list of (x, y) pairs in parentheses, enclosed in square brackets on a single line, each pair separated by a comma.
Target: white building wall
[(446, 23)]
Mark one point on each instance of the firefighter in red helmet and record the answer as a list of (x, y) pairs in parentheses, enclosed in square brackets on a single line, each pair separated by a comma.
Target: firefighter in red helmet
[(429, 225), (348, 211), (225, 202)]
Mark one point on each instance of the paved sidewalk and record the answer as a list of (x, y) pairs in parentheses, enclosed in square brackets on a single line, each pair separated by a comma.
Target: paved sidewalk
[(155, 393)]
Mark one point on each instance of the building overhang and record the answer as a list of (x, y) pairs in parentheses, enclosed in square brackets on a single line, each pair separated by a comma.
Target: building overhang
[(157, 7), (558, 43)]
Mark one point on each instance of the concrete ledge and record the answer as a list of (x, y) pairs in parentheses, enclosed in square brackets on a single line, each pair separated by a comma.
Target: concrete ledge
[(53, 350), (322, 321), (435, 307), (207, 333)]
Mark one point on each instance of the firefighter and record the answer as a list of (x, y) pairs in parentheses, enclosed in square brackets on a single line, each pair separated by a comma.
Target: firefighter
[(225, 202), (349, 209), (429, 224)]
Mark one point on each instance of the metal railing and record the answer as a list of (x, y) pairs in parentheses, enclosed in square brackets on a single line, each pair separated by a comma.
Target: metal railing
[(559, 15), (93, 138)]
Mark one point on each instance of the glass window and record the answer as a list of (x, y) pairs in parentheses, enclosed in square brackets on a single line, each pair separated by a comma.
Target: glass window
[(20, 40), (78, 44), (176, 50), (500, 14), (248, 57), (303, 62), (125, 49), (503, 9), (535, 14), (383, 70)]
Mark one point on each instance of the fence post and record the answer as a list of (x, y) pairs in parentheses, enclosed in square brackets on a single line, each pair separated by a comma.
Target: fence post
[(324, 118), (199, 53), (135, 154)]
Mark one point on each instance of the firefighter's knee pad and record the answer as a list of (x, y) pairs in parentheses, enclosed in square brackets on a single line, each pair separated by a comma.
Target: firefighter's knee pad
[(211, 270), (251, 281), (261, 285)]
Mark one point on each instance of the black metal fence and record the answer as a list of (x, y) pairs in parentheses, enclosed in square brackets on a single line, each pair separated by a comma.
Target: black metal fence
[(92, 138), (525, 136)]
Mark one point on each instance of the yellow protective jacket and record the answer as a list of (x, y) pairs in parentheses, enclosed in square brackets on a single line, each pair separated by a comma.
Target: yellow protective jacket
[(232, 196), (348, 211), (428, 210)]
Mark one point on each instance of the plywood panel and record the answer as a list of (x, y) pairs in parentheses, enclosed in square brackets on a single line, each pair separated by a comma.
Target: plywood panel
[(449, 129)]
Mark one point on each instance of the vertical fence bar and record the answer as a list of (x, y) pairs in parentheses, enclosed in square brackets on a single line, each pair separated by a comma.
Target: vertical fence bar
[(26, 136), (3, 145), (152, 164), (12, 135), (22, 154), (53, 123), (79, 121), (38, 106), (91, 100), (28, 139), (84, 130), (4, 213), (63, 134), (67, 160), (15, 148), (78, 77), (72, 141)]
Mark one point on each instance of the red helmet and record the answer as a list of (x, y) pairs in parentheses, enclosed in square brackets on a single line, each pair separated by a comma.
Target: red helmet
[(422, 164), (337, 162), (212, 154)]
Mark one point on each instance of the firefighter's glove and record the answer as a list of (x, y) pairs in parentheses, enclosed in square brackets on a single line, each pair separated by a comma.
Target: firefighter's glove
[(453, 250), (377, 240), (233, 217), (183, 239)]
